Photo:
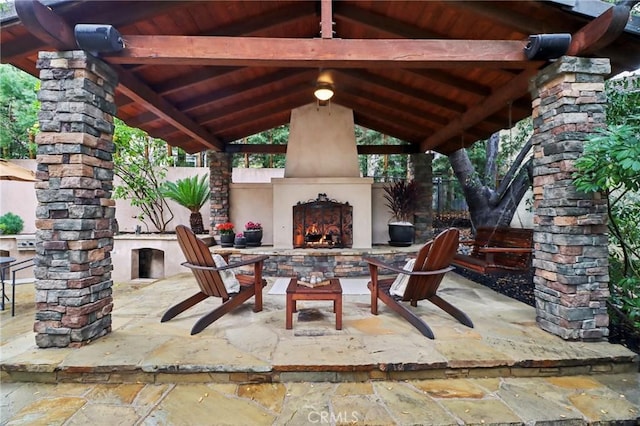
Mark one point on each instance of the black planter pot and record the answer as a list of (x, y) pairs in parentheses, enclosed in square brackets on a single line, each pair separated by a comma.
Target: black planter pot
[(254, 237), (226, 240), (400, 234), (240, 242)]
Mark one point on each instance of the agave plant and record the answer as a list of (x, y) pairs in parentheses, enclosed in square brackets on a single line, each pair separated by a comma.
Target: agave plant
[(192, 193)]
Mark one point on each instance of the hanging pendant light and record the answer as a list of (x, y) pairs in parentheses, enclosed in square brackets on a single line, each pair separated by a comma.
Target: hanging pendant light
[(324, 91)]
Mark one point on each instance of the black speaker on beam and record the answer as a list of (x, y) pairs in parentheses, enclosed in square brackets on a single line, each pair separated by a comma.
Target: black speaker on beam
[(547, 46), (98, 38)]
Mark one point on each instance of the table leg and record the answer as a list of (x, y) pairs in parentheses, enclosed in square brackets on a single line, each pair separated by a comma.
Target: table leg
[(338, 306), (289, 312)]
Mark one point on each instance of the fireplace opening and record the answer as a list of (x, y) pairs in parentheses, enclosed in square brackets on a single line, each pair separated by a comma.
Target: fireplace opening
[(322, 223)]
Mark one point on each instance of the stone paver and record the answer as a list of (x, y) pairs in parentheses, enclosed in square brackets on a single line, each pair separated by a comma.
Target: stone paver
[(573, 400), (247, 369)]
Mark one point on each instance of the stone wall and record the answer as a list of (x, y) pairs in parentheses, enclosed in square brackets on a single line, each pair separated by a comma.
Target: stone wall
[(571, 278), (75, 213), (423, 174), (220, 172)]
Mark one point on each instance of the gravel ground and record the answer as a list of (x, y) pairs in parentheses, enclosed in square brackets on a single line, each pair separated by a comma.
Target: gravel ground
[(518, 286)]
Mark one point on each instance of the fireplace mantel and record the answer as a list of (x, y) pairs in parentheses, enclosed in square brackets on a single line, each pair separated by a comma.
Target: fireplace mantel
[(289, 191)]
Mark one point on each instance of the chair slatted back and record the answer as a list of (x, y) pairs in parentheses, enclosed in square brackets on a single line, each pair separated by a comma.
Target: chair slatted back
[(196, 252), (436, 254)]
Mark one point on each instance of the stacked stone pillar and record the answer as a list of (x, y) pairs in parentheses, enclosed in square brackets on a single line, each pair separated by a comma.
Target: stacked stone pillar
[(571, 267), (75, 214), (422, 171), (220, 170)]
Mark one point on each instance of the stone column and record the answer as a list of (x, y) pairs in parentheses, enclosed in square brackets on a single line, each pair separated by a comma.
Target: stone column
[(75, 217), (220, 168), (421, 165), (571, 267)]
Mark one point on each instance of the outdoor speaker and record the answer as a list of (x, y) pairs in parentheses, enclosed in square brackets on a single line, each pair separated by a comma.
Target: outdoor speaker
[(98, 38), (547, 46)]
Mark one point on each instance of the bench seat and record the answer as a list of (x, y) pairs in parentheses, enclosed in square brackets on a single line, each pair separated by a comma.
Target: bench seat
[(497, 249)]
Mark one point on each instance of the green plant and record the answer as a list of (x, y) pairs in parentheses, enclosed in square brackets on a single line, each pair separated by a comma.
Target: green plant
[(192, 193), (402, 199), (12, 223), (611, 165), (141, 164)]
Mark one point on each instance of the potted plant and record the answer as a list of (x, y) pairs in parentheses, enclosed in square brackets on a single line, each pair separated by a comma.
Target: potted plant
[(11, 223), (240, 241), (192, 193), (402, 200), (227, 235), (253, 234)]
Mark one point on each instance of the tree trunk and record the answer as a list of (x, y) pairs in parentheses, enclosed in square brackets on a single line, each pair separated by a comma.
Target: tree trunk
[(489, 207), (195, 220)]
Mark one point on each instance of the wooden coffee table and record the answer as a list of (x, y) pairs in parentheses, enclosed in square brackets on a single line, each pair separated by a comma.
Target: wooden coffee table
[(296, 292)]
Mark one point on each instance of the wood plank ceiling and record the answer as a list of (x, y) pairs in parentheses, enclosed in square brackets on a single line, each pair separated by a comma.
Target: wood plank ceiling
[(438, 75)]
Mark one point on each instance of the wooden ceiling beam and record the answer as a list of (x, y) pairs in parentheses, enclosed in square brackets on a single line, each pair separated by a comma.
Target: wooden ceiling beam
[(249, 148), (601, 31), (359, 100), (490, 105), (395, 28), (53, 30), (389, 128), (325, 53), (246, 108), (326, 19), (504, 16), (141, 93), (454, 81), (380, 23), (389, 114), (43, 23), (256, 126), (261, 24), (413, 94), (276, 106), (282, 77), (245, 148)]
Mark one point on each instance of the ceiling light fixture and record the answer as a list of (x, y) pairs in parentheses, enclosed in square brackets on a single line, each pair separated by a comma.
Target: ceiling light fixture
[(324, 91)]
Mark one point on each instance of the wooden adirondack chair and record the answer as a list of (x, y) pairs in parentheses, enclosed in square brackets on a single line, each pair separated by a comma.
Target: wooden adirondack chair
[(201, 263), (431, 264)]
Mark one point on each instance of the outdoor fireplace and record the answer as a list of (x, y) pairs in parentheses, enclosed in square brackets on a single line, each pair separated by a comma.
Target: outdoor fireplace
[(322, 223)]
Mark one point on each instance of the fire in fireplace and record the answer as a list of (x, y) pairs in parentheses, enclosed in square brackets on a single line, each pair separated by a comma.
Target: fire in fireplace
[(322, 223)]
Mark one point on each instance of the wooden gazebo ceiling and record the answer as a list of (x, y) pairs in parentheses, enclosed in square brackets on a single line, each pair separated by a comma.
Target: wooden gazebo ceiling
[(439, 75)]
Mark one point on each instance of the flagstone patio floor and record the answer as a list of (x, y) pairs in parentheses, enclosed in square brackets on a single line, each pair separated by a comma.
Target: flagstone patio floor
[(246, 368)]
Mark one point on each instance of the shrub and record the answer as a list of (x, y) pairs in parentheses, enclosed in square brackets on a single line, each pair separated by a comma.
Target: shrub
[(13, 224)]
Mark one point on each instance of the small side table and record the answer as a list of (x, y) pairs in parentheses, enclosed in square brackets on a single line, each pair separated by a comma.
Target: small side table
[(296, 292)]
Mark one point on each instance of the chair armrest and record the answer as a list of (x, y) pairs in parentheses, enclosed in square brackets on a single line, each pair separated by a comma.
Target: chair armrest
[(381, 264), (504, 250), (251, 261)]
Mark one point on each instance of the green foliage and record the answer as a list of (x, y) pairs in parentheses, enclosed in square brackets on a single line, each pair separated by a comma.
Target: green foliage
[(611, 160), (381, 167), (18, 111), (401, 198), (610, 165), (276, 136), (11, 223), (191, 192), (141, 162)]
